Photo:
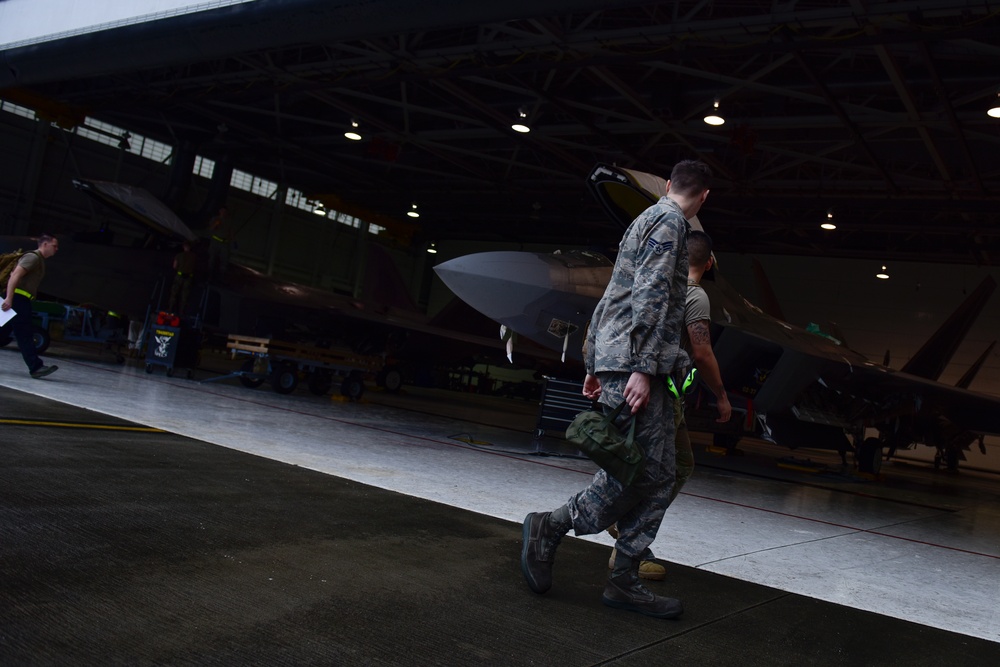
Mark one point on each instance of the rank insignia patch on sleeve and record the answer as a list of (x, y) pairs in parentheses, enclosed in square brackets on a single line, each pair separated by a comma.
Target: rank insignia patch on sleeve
[(660, 248)]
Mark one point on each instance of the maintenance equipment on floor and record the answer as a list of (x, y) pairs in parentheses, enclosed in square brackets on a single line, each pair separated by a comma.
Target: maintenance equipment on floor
[(283, 363), (84, 323)]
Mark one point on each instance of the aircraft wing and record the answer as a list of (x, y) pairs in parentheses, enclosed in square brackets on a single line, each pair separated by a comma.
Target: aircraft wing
[(812, 389), (816, 380), (971, 410), (139, 205)]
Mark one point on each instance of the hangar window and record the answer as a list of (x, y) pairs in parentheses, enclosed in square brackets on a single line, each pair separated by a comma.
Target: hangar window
[(17, 109), (151, 149), (112, 135), (101, 132), (296, 199), (253, 184), (203, 167), (241, 180), (263, 187)]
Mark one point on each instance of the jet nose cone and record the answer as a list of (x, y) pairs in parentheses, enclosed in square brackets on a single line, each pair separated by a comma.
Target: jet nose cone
[(496, 284), (454, 270)]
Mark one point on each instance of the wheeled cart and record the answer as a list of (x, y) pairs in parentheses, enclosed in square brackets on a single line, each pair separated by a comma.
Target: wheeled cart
[(284, 363)]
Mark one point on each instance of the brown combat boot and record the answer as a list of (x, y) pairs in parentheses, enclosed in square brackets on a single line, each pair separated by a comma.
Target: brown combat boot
[(647, 569)]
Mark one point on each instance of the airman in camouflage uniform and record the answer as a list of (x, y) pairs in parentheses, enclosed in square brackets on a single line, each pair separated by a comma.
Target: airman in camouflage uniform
[(697, 342), (633, 344)]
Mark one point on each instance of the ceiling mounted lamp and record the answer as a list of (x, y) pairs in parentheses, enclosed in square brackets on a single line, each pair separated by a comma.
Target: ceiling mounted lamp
[(521, 124), (994, 111), (413, 211), (319, 210), (714, 118), (432, 249), (882, 275), (123, 141), (829, 221), (353, 133)]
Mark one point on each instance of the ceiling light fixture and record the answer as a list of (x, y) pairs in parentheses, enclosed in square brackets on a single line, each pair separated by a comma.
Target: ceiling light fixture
[(123, 141), (994, 111), (521, 124), (882, 275), (714, 118), (353, 133), (413, 211), (432, 249), (829, 220), (319, 210)]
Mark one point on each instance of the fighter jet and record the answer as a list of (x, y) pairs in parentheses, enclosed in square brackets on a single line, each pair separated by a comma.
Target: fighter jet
[(805, 387), (130, 275)]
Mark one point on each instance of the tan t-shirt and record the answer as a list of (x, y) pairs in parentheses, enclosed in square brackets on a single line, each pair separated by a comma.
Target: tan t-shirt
[(34, 271)]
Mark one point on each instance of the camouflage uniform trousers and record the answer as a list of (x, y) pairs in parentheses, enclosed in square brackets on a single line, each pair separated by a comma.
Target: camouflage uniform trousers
[(637, 509)]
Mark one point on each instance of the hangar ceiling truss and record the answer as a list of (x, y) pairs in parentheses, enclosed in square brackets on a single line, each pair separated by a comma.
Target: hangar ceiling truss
[(874, 110)]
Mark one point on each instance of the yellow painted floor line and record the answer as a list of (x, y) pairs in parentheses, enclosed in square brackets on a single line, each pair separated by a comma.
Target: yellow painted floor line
[(102, 427)]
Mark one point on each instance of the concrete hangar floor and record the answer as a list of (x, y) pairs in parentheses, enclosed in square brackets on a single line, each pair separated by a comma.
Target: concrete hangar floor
[(150, 520)]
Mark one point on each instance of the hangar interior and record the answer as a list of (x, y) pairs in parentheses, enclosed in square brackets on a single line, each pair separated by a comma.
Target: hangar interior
[(872, 115), (873, 118)]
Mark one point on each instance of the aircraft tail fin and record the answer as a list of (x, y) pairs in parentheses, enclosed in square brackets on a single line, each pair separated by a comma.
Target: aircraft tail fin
[(974, 369), (768, 300), (930, 360)]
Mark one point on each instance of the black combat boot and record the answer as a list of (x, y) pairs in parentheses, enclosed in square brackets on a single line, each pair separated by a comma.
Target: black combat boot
[(541, 537), (623, 591)]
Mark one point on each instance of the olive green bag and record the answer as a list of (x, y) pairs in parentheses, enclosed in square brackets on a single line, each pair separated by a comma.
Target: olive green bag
[(597, 436)]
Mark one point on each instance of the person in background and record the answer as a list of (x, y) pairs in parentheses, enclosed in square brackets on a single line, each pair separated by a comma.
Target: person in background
[(185, 263), (22, 286), (220, 239)]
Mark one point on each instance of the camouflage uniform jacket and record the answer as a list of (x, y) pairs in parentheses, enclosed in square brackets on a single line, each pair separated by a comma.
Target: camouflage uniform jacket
[(637, 324)]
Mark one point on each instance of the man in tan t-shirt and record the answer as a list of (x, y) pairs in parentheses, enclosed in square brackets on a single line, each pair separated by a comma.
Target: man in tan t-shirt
[(22, 287)]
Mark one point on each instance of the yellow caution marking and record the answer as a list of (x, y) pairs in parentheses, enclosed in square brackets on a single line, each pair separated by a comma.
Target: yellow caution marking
[(99, 427)]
